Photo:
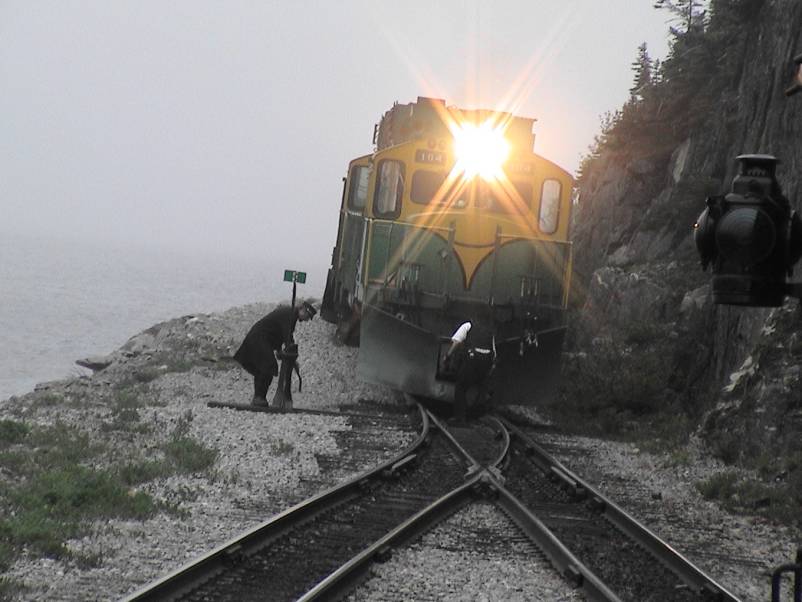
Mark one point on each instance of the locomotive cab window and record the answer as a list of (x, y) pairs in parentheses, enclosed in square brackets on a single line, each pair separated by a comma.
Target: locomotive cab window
[(389, 189), (425, 186), (549, 206), (498, 198), (358, 191), (523, 200)]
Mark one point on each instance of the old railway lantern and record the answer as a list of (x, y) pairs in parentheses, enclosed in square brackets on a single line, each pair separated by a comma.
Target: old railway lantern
[(751, 237)]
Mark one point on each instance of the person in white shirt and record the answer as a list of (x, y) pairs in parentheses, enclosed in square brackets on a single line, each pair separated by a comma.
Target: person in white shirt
[(471, 359)]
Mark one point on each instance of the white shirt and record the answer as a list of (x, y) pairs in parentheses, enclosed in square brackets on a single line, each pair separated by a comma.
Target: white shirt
[(461, 333)]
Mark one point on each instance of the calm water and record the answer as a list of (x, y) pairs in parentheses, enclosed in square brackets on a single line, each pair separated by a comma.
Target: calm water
[(62, 301)]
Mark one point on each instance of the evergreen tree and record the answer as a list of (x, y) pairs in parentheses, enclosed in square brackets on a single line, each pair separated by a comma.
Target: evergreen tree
[(690, 13), (643, 67), (669, 98)]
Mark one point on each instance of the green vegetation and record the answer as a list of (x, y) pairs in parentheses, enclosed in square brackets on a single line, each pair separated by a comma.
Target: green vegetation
[(57, 481), (777, 499), (45, 400), (185, 454), (679, 457), (50, 507), (623, 387), (125, 405), (12, 432), (9, 588), (52, 492), (670, 99), (181, 455), (281, 448), (619, 387)]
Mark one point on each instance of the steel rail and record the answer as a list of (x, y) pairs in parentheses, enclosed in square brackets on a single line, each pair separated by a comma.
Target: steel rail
[(473, 464), (692, 575), (188, 577), (347, 576), (559, 555), (343, 579), (505, 448)]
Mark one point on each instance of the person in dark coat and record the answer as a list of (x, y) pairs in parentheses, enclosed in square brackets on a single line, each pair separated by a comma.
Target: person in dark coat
[(264, 339)]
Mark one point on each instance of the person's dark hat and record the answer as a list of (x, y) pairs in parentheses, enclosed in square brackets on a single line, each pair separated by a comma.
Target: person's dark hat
[(310, 309)]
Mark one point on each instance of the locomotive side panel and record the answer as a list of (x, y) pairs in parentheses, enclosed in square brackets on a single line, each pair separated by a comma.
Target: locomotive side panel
[(343, 275)]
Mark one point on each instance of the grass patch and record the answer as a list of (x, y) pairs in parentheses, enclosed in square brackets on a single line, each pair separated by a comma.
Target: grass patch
[(87, 561), (719, 487), (125, 406), (776, 501), (16, 463), (53, 494), (54, 490), (46, 400), (666, 431), (12, 432), (181, 365), (54, 505), (10, 589), (61, 445), (145, 375), (182, 455), (726, 446), (184, 494), (189, 456), (6, 555), (185, 453), (614, 379), (679, 457), (135, 473), (281, 448)]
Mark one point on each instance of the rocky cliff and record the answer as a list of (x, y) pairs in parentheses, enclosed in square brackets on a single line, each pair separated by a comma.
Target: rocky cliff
[(734, 369)]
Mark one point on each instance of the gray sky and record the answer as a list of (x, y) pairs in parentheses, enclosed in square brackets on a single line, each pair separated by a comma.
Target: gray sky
[(227, 126)]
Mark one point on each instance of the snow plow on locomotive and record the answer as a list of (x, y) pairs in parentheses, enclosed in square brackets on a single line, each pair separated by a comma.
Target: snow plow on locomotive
[(453, 214)]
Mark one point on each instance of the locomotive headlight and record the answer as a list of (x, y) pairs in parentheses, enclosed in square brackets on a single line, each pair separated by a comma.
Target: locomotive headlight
[(480, 150)]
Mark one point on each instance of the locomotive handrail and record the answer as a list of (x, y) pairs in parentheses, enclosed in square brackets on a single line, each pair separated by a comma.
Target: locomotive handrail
[(537, 332), (568, 243), (379, 220)]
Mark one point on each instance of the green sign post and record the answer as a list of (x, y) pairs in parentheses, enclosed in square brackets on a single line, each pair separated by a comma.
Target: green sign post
[(295, 277)]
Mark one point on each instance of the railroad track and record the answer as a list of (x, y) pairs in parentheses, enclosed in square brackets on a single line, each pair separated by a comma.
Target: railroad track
[(319, 545), (323, 548), (612, 554)]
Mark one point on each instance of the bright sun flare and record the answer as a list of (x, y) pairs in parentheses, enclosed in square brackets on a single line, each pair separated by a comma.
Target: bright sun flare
[(480, 150)]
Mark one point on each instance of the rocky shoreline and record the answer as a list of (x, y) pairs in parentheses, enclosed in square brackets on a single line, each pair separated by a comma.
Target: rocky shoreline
[(266, 462)]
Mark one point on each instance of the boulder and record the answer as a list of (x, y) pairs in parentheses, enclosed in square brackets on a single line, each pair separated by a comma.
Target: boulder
[(96, 362)]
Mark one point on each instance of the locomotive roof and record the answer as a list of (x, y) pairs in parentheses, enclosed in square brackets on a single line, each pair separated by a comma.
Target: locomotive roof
[(427, 117)]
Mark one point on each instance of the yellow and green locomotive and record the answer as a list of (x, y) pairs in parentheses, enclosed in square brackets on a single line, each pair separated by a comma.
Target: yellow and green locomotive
[(453, 212)]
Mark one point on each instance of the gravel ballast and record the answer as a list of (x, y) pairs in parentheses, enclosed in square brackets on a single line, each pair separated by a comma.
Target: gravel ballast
[(267, 462)]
